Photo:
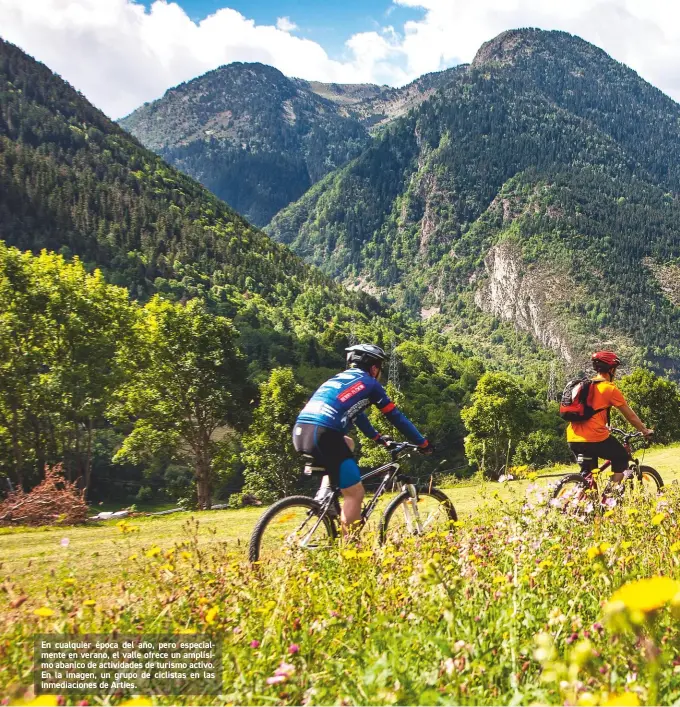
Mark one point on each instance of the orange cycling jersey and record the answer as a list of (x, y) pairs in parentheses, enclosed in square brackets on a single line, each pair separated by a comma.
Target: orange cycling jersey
[(604, 396)]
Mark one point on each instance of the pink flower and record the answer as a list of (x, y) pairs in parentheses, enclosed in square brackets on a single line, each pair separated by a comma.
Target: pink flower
[(255, 644), (65, 542), (281, 674), (293, 648)]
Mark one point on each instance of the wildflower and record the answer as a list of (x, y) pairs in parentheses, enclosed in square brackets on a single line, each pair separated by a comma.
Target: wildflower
[(626, 544), (153, 551), (255, 643), (625, 699), (675, 547), (658, 518), (211, 614), (293, 648), (284, 672), (89, 602), (350, 554), (136, 702), (644, 595), (44, 612), (64, 542), (69, 580)]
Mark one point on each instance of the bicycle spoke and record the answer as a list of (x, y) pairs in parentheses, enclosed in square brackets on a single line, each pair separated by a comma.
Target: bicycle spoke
[(430, 515), (295, 529)]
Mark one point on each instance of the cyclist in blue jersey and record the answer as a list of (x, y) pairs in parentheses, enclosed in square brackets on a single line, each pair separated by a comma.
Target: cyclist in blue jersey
[(320, 429)]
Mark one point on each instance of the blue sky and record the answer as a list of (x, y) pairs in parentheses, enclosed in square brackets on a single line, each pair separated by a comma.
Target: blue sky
[(122, 53), (329, 24)]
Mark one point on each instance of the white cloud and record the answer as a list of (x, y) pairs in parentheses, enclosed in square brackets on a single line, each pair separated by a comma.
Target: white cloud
[(285, 25), (119, 54)]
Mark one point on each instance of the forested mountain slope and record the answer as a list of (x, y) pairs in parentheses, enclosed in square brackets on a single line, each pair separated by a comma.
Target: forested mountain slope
[(541, 184), (74, 182), (79, 360), (259, 139)]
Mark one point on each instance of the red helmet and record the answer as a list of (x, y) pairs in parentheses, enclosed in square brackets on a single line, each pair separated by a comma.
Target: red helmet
[(604, 360)]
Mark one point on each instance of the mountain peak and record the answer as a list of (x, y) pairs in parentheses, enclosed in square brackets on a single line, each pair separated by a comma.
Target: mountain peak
[(508, 46)]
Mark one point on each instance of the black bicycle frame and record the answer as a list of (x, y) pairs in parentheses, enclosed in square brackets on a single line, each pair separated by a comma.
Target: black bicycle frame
[(391, 469)]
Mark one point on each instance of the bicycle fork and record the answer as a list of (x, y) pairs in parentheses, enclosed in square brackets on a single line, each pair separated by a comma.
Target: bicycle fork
[(410, 507)]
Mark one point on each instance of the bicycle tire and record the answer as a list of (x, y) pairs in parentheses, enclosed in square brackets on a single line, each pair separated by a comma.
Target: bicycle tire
[(575, 479), (438, 495), (654, 474), (254, 548)]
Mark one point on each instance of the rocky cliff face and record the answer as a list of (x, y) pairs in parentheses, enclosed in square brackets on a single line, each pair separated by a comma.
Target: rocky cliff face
[(523, 296)]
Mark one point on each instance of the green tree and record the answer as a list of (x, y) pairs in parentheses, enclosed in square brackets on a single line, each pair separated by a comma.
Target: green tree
[(656, 400), (272, 466), (496, 420), (187, 381), (61, 329)]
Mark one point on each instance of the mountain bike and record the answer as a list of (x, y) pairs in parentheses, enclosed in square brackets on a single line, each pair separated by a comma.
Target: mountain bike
[(304, 523), (580, 491)]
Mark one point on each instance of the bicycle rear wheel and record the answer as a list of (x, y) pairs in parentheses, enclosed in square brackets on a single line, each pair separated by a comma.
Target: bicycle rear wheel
[(435, 512), (292, 525), (573, 495)]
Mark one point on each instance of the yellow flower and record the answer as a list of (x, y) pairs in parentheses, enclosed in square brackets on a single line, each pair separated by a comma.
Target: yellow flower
[(658, 518), (587, 699), (211, 614), (593, 552), (167, 567), (137, 702), (132, 558), (675, 547), (152, 552), (349, 554), (187, 556), (626, 544), (645, 595), (545, 564), (604, 547), (365, 554), (44, 612), (499, 579), (69, 580), (89, 602), (45, 700), (625, 699)]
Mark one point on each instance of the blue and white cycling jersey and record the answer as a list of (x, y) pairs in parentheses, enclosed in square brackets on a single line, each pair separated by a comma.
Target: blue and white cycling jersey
[(341, 401)]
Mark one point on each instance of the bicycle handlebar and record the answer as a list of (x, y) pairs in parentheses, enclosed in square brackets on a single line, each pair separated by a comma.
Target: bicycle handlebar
[(399, 448), (627, 435)]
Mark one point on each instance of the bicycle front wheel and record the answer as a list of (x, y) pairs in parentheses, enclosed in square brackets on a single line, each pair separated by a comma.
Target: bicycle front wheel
[(650, 481), (432, 512), (292, 525)]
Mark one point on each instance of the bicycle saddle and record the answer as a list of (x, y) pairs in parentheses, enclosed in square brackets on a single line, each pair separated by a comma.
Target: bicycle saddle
[(311, 465)]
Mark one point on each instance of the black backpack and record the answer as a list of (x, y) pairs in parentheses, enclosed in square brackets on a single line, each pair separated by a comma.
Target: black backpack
[(575, 405)]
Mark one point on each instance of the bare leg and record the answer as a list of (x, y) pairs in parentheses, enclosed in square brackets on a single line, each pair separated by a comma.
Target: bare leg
[(351, 508), (350, 443)]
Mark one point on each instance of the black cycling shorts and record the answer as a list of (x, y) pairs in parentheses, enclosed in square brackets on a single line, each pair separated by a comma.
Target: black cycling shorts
[(609, 448), (329, 449)]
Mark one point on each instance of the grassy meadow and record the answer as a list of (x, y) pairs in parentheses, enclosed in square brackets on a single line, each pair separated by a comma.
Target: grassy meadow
[(515, 604)]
